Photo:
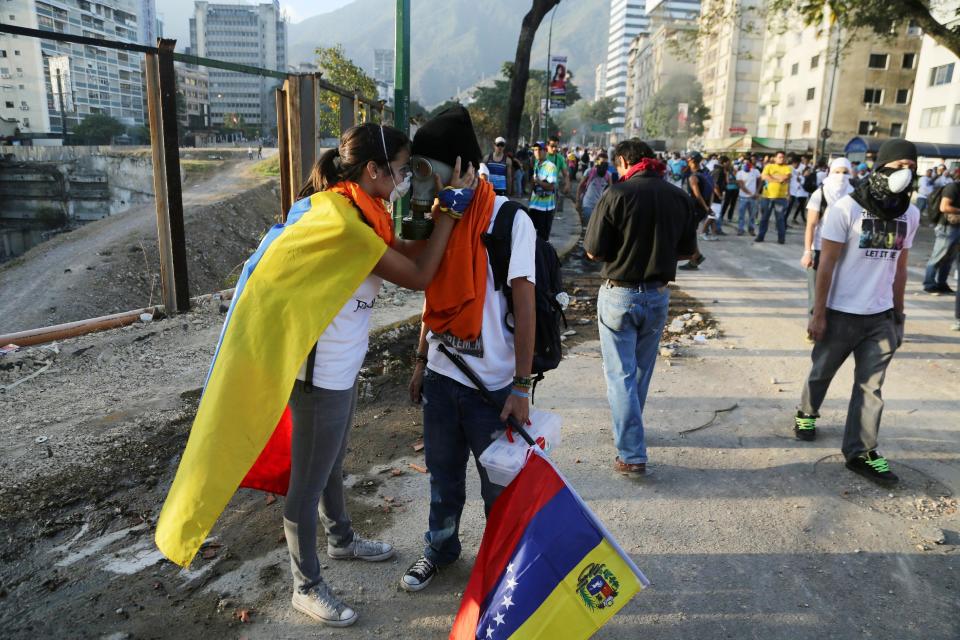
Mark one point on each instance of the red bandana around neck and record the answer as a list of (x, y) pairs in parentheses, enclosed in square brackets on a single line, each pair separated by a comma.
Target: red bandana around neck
[(646, 164)]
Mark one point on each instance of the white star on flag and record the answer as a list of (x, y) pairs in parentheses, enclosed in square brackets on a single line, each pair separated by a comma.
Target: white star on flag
[(507, 602), (489, 632), (498, 619), (510, 568), (511, 583)]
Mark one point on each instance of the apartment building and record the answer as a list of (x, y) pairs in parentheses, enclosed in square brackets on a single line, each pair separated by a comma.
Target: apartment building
[(731, 59), (254, 35), (829, 78), (656, 59), (74, 80), (935, 103)]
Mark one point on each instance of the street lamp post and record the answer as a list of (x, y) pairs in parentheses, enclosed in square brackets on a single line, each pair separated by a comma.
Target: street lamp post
[(546, 108)]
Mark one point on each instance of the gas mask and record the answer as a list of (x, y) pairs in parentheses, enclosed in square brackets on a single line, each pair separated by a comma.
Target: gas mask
[(899, 180), (399, 190), (424, 183)]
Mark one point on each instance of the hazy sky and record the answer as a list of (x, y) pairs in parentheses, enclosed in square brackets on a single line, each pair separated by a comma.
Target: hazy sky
[(176, 14)]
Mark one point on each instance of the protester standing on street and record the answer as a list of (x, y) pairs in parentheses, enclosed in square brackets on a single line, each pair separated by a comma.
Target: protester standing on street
[(859, 303), (748, 180), (776, 178), (641, 227), (946, 243), (543, 194), (699, 187), (731, 192), (500, 167), (559, 159), (835, 186), (594, 183), (924, 190)]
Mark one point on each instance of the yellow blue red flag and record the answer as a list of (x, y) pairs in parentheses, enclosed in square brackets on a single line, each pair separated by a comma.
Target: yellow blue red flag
[(547, 567), (300, 276)]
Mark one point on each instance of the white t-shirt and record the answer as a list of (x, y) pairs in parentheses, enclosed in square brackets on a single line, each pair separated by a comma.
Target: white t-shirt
[(924, 186), (497, 366), (942, 181), (863, 278), (343, 344), (821, 176), (796, 183), (750, 180)]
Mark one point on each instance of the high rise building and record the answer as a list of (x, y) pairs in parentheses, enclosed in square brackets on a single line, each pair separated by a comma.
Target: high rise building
[(600, 81), (935, 99), (731, 60), (254, 35), (383, 74), (807, 87), (149, 23), (628, 19), (656, 60), (52, 81)]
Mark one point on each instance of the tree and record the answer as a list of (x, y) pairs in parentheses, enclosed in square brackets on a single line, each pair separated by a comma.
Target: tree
[(97, 128), (878, 16), (139, 134), (340, 70), (660, 114), (521, 67)]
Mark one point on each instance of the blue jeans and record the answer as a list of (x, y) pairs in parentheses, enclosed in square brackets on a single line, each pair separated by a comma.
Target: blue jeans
[(779, 208), (945, 244), (585, 213), (456, 422), (921, 204), (630, 323), (746, 212), (518, 184)]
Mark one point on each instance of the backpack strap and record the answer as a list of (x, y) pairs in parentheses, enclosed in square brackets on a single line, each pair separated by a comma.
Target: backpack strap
[(499, 243), (823, 202), (308, 375)]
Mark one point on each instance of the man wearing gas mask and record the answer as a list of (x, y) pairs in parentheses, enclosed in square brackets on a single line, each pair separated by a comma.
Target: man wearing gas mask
[(858, 306), (466, 313)]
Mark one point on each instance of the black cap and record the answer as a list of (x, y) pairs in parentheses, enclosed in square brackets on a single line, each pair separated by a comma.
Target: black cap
[(696, 157), (447, 135), (896, 149)]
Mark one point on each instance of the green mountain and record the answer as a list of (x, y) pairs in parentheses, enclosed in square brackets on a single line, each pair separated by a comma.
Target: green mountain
[(457, 43)]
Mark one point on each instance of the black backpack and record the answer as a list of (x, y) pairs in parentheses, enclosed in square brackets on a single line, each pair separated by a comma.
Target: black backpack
[(932, 211), (810, 183), (548, 348)]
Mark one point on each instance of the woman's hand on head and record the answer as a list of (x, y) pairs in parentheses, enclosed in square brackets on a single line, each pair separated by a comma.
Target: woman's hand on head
[(466, 181)]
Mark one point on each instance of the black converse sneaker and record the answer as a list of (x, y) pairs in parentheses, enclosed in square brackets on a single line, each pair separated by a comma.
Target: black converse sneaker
[(804, 426), (873, 466), (419, 575)]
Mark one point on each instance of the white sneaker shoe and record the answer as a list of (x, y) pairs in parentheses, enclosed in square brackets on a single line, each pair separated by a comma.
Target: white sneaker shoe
[(320, 604), (362, 549)]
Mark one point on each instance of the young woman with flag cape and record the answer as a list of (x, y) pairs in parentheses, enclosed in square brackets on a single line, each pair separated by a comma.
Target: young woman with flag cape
[(305, 296)]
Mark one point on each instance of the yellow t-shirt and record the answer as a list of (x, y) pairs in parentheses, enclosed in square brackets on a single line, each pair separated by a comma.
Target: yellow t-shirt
[(773, 189)]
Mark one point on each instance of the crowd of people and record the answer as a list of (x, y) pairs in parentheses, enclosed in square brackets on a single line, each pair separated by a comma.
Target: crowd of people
[(644, 215)]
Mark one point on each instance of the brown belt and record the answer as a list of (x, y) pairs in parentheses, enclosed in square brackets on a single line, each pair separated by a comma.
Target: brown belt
[(644, 285)]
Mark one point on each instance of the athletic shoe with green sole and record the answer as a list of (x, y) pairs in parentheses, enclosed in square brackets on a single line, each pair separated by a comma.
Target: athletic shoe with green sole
[(805, 427), (873, 466)]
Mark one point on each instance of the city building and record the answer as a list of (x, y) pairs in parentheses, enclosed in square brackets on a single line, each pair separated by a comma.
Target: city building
[(830, 78), (600, 81), (935, 103), (730, 55), (656, 60), (628, 19), (150, 28), (193, 83), (254, 35), (383, 74), (23, 106), (51, 81)]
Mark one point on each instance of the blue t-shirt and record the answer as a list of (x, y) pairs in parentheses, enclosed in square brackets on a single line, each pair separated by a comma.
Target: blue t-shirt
[(498, 173)]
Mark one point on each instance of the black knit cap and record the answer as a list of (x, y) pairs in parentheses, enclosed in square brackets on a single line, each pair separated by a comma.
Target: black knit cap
[(895, 149), (447, 135)]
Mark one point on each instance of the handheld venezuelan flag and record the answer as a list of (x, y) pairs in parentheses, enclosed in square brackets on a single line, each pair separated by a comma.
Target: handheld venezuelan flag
[(300, 276), (547, 567)]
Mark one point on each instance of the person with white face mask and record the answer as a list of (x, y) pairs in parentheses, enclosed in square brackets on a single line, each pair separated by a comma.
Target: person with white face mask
[(858, 304), (835, 186)]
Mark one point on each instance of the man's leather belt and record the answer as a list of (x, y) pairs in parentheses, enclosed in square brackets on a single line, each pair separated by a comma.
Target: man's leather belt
[(644, 285)]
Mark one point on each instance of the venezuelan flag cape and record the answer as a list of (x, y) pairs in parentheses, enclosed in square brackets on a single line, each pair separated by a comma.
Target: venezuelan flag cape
[(547, 568), (300, 276)]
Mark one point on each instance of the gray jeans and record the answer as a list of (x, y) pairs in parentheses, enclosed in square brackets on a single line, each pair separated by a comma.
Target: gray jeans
[(321, 423), (872, 340)]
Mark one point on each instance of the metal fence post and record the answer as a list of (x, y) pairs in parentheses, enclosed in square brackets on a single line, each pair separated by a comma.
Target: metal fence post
[(171, 145), (283, 157)]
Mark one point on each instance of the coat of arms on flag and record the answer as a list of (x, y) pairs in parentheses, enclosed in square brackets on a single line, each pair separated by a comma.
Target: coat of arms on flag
[(547, 567)]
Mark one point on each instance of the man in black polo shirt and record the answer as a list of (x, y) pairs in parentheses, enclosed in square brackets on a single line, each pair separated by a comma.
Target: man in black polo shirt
[(639, 229)]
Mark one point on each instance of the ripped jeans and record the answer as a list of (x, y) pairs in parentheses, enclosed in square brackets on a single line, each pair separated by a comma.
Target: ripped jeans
[(456, 422)]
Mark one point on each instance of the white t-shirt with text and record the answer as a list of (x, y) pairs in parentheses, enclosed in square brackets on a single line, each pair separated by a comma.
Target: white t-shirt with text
[(497, 366), (343, 344), (863, 277)]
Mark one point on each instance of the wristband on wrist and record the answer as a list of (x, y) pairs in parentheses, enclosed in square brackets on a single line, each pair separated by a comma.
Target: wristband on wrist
[(517, 392), (523, 381), (420, 356)]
